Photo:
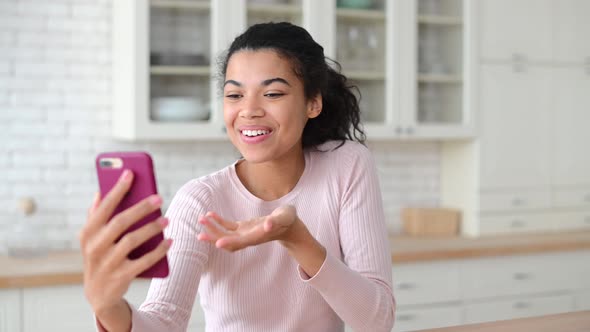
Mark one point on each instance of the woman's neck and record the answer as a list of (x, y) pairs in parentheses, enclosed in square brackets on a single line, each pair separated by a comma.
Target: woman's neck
[(273, 179)]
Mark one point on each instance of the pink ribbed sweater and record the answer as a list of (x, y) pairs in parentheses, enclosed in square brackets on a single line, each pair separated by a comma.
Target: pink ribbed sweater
[(262, 288)]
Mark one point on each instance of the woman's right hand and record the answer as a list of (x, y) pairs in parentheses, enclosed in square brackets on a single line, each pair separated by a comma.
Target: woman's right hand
[(108, 272)]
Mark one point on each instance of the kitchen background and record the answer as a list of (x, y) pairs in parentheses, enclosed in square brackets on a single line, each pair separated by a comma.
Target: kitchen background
[(55, 116), (479, 105)]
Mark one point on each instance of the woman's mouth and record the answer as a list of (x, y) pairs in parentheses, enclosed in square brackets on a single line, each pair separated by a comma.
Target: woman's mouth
[(254, 136)]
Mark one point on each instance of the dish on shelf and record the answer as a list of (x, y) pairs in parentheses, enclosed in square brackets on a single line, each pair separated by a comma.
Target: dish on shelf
[(177, 59), (179, 109), (358, 4)]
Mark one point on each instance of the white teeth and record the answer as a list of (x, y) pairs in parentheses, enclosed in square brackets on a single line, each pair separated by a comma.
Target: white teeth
[(253, 133)]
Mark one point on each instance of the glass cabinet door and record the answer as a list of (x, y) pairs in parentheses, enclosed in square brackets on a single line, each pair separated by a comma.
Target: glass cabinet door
[(361, 50), (260, 11), (180, 61), (439, 68)]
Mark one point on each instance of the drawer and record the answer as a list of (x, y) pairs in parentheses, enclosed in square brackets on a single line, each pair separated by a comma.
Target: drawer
[(571, 220), (517, 275), (427, 318), (582, 301), (516, 223), (514, 201), (571, 197), (425, 283), (517, 308)]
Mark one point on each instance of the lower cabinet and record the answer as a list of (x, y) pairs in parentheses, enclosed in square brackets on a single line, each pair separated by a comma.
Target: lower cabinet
[(456, 292), (428, 295), (493, 310), (10, 313), (64, 309), (427, 318)]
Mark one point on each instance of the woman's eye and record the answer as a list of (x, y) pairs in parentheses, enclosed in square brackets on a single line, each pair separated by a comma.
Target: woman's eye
[(233, 96), (274, 94)]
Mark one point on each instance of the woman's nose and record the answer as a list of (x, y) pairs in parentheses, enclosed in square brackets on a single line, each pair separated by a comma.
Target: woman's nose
[(251, 108)]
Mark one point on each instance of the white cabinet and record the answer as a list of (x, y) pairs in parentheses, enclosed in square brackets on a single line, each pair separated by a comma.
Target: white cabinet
[(448, 293), (519, 30), (165, 52), (513, 150), (414, 283), (62, 308), (571, 30), (427, 318), (10, 310), (437, 52), (518, 308), (527, 170), (571, 165)]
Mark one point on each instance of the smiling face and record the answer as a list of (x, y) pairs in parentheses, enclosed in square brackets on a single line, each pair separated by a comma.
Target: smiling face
[(265, 109)]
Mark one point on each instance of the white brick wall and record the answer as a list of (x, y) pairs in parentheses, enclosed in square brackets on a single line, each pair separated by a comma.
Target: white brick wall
[(55, 117)]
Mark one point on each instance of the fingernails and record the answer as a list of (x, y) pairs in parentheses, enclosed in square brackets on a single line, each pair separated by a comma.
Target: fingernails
[(155, 200), (168, 243), (163, 222), (126, 175)]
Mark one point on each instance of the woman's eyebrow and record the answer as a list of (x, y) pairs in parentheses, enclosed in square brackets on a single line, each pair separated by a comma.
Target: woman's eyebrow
[(232, 82), (276, 79), (264, 83)]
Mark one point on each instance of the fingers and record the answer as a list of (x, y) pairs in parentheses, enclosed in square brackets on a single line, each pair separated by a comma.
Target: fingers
[(95, 203), (213, 230), (137, 266), (105, 209), (134, 239), (122, 221), (230, 225), (255, 236)]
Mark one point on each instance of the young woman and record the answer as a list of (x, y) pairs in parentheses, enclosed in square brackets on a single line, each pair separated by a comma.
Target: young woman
[(291, 237)]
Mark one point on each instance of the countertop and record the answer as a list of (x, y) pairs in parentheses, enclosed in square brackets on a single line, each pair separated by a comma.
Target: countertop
[(66, 267), (568, 322)]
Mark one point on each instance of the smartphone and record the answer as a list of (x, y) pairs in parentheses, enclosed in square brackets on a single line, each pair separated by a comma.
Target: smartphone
[(109, 167)]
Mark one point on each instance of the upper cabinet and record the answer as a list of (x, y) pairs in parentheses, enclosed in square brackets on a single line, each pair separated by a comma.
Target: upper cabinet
[(437, 82), (539, 31), (571, 31), (512, 39), (413, 85)]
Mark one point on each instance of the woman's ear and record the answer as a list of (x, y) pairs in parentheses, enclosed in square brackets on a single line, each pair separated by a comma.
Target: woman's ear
[(314, 106)]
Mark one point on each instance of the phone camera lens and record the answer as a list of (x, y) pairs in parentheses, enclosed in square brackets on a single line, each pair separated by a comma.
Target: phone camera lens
[(105, 163)]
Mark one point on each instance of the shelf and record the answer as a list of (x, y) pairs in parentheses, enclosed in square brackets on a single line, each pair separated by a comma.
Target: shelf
[(360, 14), (181, 4), (274, 9), (439, 20), (365, 75), (439, 78), (180, 70)]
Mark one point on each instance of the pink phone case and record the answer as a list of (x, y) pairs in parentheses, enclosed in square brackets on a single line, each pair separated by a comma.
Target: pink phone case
[(144, 185)]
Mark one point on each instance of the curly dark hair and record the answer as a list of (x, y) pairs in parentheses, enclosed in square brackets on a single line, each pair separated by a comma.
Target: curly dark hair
[(340, 115)]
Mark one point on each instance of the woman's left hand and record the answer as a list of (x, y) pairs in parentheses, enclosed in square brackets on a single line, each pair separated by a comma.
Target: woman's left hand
[(233, 236)]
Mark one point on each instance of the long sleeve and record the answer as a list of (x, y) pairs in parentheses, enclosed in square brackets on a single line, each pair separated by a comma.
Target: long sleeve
[(359, 289), (169, 301)]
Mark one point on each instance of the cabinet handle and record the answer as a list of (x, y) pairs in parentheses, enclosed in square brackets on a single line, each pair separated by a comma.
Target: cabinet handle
[(406, 317), (223, 129), (406, 286), (410, 131), (518, 63), (522, 276), (398, 130), (517, 223), (521, 305), (517, 202)]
